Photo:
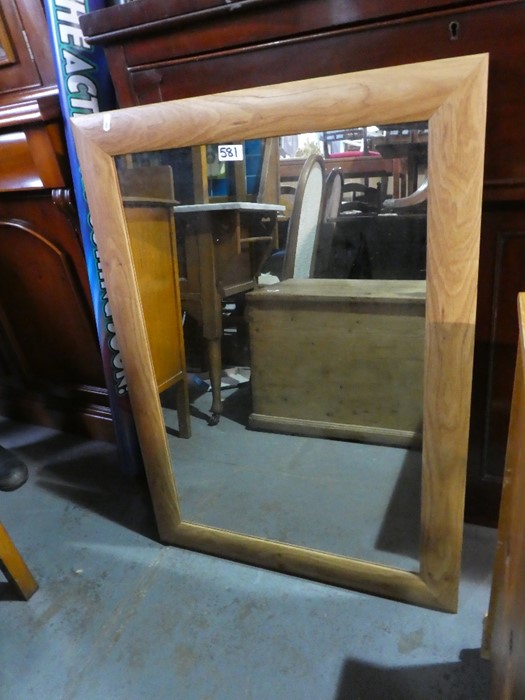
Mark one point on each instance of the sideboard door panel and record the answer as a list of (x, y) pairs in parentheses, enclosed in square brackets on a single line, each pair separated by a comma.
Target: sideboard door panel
[(45, 308), (51, 368)]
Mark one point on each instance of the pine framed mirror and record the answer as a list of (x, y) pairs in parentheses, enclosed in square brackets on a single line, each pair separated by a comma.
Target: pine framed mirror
[(450, 95)]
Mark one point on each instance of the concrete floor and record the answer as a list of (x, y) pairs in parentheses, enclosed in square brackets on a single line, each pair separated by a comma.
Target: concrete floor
[(120, 616)]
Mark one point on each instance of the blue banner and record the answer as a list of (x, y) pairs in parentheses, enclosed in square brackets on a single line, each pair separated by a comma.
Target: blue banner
[(85, 87)]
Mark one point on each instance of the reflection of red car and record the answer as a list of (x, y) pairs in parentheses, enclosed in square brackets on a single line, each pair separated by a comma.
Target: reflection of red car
[(355, 154)]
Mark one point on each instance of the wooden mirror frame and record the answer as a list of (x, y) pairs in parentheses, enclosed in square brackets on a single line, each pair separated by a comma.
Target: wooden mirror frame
[(451, 95)]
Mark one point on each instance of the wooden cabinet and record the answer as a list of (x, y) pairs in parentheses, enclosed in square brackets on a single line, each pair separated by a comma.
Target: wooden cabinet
[(162, 50), (50, 364), (24, 57)]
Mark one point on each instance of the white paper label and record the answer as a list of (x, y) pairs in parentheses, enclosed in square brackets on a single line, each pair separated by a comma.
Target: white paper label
[(231, 152)]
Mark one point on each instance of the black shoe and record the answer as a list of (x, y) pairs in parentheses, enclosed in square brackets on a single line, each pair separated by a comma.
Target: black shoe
[(13, 472)]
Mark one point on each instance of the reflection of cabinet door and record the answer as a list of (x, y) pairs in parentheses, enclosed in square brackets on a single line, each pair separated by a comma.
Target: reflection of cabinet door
[(149, 197), (155, 258)]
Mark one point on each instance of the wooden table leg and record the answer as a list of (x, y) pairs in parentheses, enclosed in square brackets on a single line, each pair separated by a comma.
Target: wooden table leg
[(211, 311)]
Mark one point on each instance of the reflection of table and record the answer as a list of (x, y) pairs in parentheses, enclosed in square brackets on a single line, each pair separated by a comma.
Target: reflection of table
[(356, 167), (221, 250), (390, 246), (412, 145)]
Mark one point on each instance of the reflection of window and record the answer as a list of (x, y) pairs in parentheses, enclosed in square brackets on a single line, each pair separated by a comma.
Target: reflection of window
[(3, 53)]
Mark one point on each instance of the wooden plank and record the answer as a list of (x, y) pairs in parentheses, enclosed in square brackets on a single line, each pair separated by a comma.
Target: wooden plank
[(14, 567), (340, 431), (505, 626), (341, 291)]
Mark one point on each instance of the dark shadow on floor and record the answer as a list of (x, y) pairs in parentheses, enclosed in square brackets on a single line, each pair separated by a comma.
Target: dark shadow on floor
[(8, 593), (94, 482), (401, 526), (86, 473), (468, 679), (237, 404)]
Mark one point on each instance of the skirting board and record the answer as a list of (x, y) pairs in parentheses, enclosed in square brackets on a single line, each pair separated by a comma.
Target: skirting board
[(342, 431)]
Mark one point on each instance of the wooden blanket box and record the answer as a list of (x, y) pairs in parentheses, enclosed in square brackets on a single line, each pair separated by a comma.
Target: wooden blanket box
[(339, 358)]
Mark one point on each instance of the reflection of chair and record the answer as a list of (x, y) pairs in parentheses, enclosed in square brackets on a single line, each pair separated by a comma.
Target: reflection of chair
[(360, 197), (333, 194), (304, 222), (304, 201), (417, 198), (331, 205)]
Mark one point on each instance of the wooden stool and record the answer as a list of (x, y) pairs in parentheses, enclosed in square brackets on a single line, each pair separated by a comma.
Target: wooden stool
[(14, 567)]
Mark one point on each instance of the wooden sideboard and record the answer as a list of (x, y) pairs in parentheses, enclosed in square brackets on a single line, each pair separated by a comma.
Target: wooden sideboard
[(50, 363), (168, 49)]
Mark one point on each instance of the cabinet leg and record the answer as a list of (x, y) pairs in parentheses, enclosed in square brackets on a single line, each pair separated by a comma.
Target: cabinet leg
[(183, 408)]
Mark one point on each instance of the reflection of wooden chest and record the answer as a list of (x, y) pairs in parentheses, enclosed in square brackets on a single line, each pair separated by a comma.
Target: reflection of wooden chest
[(339, 358)]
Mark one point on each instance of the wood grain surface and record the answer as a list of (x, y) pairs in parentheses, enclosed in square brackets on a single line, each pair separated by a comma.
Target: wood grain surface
[(451, 94)]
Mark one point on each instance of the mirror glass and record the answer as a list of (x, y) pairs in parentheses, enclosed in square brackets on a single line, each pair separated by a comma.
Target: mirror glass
[(319, 440)]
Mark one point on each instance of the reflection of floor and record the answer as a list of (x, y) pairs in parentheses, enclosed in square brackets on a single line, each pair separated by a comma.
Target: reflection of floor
[(352, 499)]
